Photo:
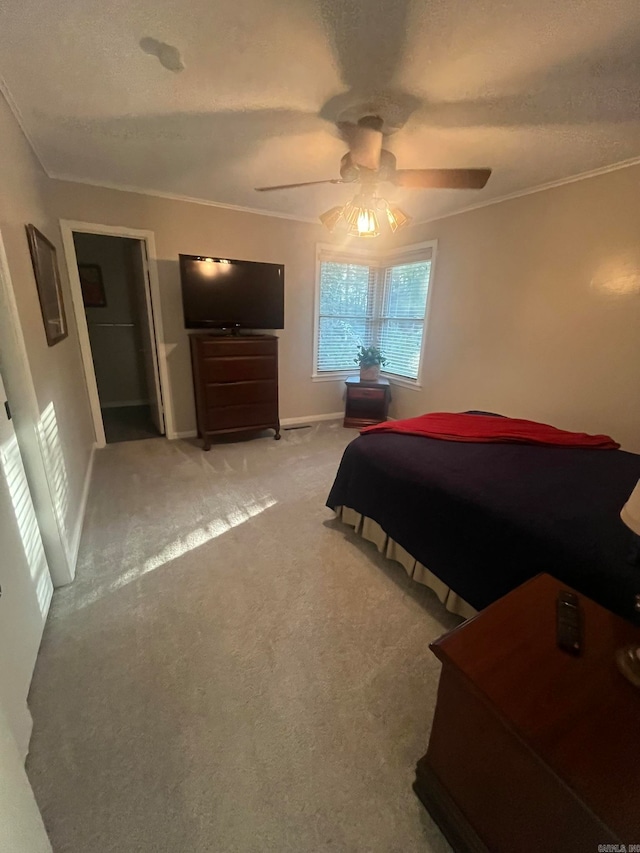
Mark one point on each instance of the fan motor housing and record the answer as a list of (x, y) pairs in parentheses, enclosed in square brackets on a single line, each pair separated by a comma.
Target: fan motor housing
[(349, 172)]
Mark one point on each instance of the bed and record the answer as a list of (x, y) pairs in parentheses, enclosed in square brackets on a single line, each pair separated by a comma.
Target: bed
[(473, 521)]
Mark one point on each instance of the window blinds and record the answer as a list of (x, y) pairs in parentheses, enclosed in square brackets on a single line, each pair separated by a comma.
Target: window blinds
[(404, 305), (383, 306), (347, 292)]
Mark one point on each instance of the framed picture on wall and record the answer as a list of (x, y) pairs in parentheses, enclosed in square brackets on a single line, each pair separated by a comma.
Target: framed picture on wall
[(45, 268), (93, 294)]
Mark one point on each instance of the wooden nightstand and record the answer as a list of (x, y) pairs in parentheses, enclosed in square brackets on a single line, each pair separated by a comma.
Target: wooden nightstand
[(367, 402), (533, 749)]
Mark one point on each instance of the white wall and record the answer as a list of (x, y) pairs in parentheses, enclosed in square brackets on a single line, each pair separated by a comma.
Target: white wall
[(48, 396), (21, 827), (61, 404), (185, 227), (535, 312), (536, 309), (114, 330)]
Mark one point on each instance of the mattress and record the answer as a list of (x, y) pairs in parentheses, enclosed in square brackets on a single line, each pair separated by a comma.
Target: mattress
[(484, 518)]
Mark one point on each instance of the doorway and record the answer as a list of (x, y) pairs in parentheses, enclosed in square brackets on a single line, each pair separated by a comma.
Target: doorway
[(119, 327)]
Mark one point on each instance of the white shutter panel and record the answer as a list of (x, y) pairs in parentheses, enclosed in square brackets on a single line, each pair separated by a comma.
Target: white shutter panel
[(345, 314)]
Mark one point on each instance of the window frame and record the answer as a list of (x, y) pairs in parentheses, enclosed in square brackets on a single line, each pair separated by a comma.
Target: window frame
[(329, 252)]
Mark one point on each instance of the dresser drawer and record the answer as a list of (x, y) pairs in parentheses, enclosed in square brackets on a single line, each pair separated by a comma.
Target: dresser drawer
[(238, 417), (238, 368), (240, 393), (235, 384), (367, 393), (235, 346)]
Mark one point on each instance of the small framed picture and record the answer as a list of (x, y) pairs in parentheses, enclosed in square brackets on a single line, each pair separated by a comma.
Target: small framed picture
[(45, 267), (93, 294)]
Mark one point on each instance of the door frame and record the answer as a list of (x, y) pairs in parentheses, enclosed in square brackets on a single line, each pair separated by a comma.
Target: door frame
[(61, 554), (152, 293)]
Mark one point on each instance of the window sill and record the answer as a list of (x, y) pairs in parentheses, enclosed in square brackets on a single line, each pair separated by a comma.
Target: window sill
[(334, 377), (403, 383), (342, 375)]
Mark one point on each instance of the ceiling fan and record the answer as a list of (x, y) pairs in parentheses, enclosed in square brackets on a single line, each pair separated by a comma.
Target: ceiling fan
[(368, 163)]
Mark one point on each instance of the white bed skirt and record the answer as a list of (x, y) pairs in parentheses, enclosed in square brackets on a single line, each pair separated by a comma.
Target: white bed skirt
[(372, 532)]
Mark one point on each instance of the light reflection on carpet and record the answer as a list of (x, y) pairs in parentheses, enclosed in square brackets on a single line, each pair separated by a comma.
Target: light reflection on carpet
[(182, 545)]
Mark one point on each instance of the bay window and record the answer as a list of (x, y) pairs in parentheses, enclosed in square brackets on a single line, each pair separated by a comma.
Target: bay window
[(366, 301)]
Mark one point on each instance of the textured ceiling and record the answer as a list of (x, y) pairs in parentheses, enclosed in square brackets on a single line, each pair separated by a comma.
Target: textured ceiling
[(539, 90)]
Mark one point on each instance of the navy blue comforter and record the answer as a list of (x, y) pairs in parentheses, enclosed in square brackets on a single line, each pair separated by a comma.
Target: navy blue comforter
[(487, 517)]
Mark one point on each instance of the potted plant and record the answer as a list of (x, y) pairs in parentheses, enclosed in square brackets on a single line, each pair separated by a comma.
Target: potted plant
[(370, 359)]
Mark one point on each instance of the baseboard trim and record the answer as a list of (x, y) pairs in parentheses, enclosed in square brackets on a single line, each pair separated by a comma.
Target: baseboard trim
[(312, 419), (284, 422), (189, 433), (77, 532)]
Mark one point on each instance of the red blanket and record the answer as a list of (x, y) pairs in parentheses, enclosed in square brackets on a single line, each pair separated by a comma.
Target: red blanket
[(491, 428)]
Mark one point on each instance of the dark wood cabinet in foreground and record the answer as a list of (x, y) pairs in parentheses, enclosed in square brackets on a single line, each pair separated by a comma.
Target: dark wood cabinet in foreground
[(367, 403), (533, 749), (235, 381)]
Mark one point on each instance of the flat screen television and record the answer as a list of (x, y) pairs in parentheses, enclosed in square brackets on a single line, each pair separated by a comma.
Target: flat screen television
[(219, 293)]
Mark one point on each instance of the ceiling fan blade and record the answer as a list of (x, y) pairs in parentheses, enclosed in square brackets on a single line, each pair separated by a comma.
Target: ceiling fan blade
[(365, 142), (293, 186), (446, 179)]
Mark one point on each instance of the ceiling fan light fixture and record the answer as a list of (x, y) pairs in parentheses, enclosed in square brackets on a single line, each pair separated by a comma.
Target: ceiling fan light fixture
[(366, 223), (397, 218), (331, 218), (350, 212), (361, 218)]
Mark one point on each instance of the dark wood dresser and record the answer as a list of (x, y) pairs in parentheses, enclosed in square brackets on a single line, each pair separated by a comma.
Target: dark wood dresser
[(235, 381), (533, 749), (367, 403)]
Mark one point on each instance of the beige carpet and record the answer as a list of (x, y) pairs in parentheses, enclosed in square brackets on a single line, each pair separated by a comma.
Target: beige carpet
[(232, 670)]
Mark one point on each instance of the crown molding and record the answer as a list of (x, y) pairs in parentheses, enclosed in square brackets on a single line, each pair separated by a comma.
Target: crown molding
[(581, 176), (6, 93), (56, 176)]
